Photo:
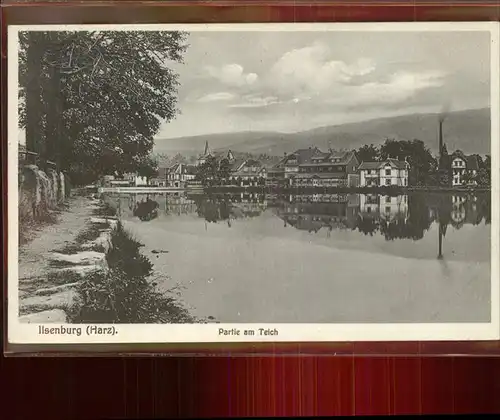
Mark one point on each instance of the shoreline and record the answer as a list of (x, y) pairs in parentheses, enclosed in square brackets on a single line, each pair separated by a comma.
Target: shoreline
[(295, 190), (63, 271)]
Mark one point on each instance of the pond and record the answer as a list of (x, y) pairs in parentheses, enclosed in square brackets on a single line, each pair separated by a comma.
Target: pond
[(320, 258)]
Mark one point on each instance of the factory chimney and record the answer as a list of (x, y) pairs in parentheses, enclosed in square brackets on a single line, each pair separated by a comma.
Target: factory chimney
[(442, 116), (440, 137)]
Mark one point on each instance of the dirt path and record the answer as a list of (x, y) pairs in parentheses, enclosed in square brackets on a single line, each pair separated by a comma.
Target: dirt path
[(52, 263), (32, 256)]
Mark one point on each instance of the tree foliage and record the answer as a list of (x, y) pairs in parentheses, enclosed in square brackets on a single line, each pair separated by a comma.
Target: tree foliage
[(224, 170), (207, 172), (93, 101), (484, 174), (213, 171), (422, 164), (367, 153), (148, 167)]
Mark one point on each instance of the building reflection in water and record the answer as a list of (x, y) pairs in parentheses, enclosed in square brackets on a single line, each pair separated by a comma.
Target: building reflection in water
[(392, 216), (317, 212)]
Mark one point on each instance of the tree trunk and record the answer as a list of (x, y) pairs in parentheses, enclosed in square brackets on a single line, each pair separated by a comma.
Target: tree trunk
[(33, 93), (54, 115)]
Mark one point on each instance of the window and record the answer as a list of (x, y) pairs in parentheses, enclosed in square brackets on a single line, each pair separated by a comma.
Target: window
[(404, 182), (368, 209), (354, 169), (387, 182), (387, 199), (387, 209), (388, 172)]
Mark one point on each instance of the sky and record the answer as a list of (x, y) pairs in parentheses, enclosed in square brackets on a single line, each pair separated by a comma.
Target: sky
[(294, 81)]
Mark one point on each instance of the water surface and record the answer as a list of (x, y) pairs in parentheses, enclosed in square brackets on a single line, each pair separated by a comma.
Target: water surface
[(319, 258)]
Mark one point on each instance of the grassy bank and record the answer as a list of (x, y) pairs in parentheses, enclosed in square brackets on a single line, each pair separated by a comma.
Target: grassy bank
[(124, 293)]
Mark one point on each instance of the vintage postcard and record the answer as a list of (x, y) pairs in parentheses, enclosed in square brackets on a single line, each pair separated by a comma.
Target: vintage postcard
[(271, 182)]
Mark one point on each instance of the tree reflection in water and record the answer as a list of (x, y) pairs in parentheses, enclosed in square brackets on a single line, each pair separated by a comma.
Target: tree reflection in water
[(228, 208), (393, 217), (397, 217), (146, 210)]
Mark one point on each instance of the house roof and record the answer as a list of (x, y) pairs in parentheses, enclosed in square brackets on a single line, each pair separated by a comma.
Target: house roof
[(249, 172), (460, 154), (189, 169), (472, 162), (186, 169), (378, 165), (253, 162), (369, 165), (343, 156), (305, 155), (162, 172), (236, 164), (174, 167), (313, 156)]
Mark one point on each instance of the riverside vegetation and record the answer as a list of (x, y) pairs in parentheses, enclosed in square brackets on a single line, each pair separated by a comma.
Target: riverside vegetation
[(124, 293), (102, 277)]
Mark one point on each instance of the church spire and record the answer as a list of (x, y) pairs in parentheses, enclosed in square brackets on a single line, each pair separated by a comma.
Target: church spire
[(207, 149)]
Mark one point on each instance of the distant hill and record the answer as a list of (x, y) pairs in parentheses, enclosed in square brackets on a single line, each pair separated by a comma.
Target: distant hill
[(466, 130)]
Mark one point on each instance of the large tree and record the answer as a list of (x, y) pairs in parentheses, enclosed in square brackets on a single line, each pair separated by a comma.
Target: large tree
[(367, 153), (484, 173), (208, 172), (422, 164), (93, 101)]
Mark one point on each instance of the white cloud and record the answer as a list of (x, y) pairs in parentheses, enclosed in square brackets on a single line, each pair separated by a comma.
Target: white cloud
[(312, 70), (252, 101), (217, 97), (312, 76), (400, 87), (232, 75)]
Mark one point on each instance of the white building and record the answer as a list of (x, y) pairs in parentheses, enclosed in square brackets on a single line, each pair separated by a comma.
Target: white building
[(135, 180), (180, 175), (389, 172), (463, 169), (248, 172)]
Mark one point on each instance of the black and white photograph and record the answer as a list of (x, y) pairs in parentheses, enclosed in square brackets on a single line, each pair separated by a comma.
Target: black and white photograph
[(272, 182)]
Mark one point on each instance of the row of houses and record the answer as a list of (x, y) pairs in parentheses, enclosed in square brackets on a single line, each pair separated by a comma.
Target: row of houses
[(248, 172), (313, 167), (309, 167)]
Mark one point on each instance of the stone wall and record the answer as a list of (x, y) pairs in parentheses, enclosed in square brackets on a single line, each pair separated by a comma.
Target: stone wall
[(40, 192)]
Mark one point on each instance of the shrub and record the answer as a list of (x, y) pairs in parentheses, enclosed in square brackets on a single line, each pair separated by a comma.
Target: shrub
[(114, 297), (124, 293), (105, 210)]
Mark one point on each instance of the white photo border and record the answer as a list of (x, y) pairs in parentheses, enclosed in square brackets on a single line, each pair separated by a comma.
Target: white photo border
[(20, 333)]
